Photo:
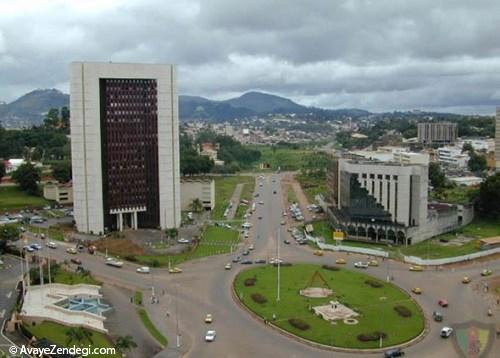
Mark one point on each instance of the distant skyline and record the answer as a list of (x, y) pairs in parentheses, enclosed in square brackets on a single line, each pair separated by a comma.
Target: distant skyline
[(376, 55)]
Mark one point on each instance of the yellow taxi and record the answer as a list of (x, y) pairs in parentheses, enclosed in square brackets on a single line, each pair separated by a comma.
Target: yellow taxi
[(373, 263), (416, 290), (318, 253), (175, 270), (466, 279), (340, 261), (416, 268)]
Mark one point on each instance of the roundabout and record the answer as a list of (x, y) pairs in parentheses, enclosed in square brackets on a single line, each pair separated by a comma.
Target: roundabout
[(385, 315)]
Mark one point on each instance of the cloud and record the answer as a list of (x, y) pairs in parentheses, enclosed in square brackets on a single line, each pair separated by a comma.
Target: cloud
[(378, 55)]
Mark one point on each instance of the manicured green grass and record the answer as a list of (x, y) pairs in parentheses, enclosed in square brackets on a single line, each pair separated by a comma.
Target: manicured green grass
[(224, 188), (151, 327), (292, 197), (375, 305), (214, 241), (323, 229), (13, 198), (57, 334), (283, 157), (138, 298)]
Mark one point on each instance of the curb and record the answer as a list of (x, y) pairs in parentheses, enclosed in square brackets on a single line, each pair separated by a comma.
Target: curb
[(313, 344)]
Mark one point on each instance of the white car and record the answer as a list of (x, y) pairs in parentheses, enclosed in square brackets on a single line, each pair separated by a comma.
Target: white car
[(246, 225), (261, 202), (208, 318), (210, 336), (51, 245), (183, 241), (112, 262), (360, 264), (446, 332), (275, 261), (143, 269), (228, 266), (251, 247)]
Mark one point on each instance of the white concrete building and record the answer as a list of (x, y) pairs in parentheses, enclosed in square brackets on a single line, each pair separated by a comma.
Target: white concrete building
[(197, 188), (60, 193), (453, 156), (124, 144)]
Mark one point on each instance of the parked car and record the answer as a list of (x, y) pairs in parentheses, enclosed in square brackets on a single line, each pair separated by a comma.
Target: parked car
[(283, 222), (360, 264), (208, 318), (340, 261), (246, 253), (260, 261), (36, 246), (446, 332), (71, 250), (76, 261), (443, 303), (237, 259), (286, 242), (143, 269), (183, 241), (251, 247), (396, 352), (247, 262), (485, 272), (466, 279), (210, 336), (416, 268), (28, 248), (438, 316)]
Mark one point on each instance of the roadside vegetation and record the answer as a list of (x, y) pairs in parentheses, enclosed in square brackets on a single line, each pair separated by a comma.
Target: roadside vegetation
[(358, 291), (224, 188), (60, 274), (151, 327), (12, 198)]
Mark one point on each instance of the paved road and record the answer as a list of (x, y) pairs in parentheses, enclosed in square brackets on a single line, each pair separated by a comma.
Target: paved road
[(10, 274), (204, 287), (235, 200)]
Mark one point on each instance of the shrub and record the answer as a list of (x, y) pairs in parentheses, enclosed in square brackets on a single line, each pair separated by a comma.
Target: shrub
[(250, 281), (131, 258), (330, 267), (373, 336), (374, 284), (258, 298), (283, 264), (403, 311), (298, 323)]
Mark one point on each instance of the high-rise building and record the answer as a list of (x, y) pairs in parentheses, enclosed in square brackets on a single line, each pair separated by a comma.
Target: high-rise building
[(497, 139), (124, 145), (437, 133)]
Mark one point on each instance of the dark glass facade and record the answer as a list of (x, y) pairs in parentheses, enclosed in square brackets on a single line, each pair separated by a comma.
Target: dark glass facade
[(129, 149)]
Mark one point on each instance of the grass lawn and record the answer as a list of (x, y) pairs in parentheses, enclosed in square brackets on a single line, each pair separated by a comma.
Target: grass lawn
[(12, 198), (312, 186), (283, 157), (73, 278), (214, 241), (456, 195), (151, 327), (292, 198), (57, 334), (323, 229), (138, 298), (224, 188), (246, 194), (375, 305)]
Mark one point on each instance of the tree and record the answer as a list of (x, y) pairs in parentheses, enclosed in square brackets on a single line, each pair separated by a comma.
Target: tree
[(477, 162), (27, 176), (65, 118), (489, 197), (125, 343), (436, 176), (467, 147), (62, 172), (52, 118), (173, 232), (196, 205), (2, 169), (8, 232)]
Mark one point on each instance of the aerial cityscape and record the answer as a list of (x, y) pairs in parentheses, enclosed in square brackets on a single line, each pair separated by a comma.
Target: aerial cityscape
[(275, 178)]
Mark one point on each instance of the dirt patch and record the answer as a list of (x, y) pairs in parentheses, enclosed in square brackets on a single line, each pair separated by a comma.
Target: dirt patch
[(119, 247)]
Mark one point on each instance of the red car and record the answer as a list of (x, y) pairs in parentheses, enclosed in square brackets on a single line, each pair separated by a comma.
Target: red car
[(443, 303)]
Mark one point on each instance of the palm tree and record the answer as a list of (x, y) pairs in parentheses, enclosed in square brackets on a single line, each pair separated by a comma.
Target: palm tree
[(125, 343), (196, 205), (73, 334)]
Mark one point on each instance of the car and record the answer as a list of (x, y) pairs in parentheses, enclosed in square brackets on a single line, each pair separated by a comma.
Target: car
[(318, 253), (416, 290), (286, 242), (36, 246), (416, 268), (208, 318), (443, 303), (210, 336), (438, 316), (485, 272), (302, 242), (143, 269), (28, 248), (274, 191), (246, 253), (259, 217), (340, 261), (183, 241), (261, 202), (71, 250), (251, 247), (76, 261), (275, 261), (174, 270), (446, 332), (51, 245), (260, 261), (81, 248), (237, 259), (396, 352), (228, 266), (246, 235), (373, 263), (246, 262), (112, 262), (466, 279), (360, 264), (283, 222)]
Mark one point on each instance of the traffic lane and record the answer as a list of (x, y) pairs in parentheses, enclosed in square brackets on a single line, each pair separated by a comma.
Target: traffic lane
[(10, 275)]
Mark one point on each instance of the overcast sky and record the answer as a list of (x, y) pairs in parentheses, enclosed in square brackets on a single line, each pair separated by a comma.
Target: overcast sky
[(373, 54)]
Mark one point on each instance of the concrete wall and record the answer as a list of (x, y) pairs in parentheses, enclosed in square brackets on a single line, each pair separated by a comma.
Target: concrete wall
[(204, 190), (342, 248), (86, 140), (450, 260)]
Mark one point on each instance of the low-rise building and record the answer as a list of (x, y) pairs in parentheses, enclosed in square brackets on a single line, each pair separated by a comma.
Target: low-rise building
[(453, 156), (202, 189), (60, 193), (466, 181)]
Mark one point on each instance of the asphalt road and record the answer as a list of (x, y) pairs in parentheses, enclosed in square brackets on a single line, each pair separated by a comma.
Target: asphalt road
[(10, 274), (205, 287)]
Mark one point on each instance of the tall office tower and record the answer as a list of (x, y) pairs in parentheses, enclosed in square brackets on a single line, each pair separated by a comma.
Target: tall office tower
[(497, 140), (124, 146), (437, 133)]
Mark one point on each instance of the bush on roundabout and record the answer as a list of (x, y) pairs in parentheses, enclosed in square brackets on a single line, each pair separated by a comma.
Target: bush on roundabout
[(257, 297), (402, 311), (374, 336), (250, 281), (331, 267), (298, 323), (374, 284)]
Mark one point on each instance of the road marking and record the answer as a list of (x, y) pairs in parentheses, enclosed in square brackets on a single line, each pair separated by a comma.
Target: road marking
[(2, 313), (9, 295)]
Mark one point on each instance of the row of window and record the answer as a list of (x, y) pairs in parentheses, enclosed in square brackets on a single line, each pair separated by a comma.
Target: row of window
[(379, 176)]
